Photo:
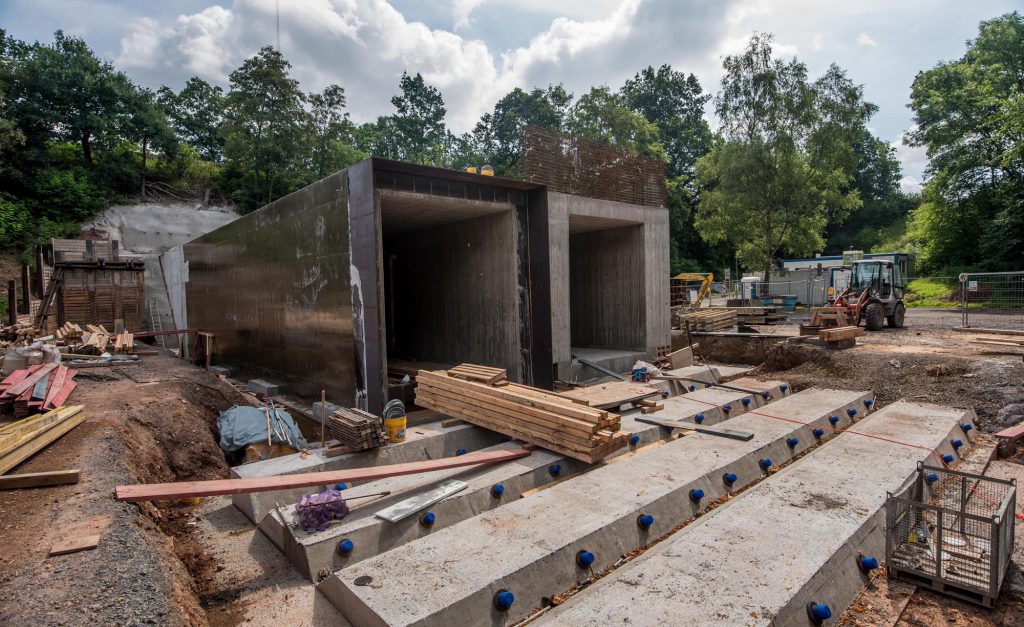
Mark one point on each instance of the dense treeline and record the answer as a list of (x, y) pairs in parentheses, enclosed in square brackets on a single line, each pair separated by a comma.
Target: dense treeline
[(793, 169)]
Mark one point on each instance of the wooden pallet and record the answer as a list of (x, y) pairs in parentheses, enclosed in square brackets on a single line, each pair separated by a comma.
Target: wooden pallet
[(831, 317), (482, 374), (529, 414), (708, 320)]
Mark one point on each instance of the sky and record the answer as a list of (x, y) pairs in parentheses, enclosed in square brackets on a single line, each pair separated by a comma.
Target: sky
[(475, 51)]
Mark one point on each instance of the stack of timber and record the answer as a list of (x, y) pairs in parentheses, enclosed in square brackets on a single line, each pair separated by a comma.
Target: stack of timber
[(124, 342), (706, 320), (480, 374), (24, 438), (94, 341), (1002, 340), (840, 337), (17, 333), (758, 315), (36, 388), (525, 413), (70, 332), (357, 429)]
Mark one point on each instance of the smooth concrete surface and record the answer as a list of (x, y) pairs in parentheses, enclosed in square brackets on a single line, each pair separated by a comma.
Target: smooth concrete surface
[(530, 546), (790, 540), (430, 441), (157, 227), (312, 552)]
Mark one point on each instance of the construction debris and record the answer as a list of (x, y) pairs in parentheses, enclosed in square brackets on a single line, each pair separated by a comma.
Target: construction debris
[(529, 414)]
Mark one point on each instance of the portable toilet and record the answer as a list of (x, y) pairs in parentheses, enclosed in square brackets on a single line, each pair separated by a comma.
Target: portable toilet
[(748, 287)]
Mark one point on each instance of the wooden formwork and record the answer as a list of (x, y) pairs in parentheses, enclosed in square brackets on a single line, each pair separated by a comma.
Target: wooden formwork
[(100, 295)]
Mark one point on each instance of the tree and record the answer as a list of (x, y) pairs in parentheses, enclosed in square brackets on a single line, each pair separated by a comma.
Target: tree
[(265, 131), (785, 164), (418, 125), (145, 122), (603, 115), (332, 129), (196, 113), (969, 114)]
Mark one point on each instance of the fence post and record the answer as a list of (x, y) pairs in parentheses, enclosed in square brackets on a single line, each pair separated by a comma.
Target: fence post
[(12, 303)]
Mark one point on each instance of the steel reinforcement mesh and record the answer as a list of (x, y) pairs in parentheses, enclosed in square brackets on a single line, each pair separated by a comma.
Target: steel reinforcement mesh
[(588, 168)]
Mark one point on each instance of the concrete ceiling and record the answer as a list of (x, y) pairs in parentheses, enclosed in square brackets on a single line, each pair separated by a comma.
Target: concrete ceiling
[(402, 212), (585, 224)]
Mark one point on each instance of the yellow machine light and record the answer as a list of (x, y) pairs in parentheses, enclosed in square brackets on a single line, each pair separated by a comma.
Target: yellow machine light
[(487, 170), (471, 169)]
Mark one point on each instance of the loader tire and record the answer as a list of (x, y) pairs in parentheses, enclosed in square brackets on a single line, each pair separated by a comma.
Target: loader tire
[(874, 317)]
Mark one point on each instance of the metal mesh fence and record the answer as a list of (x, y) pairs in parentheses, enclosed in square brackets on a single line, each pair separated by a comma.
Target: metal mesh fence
[(992, 300), (952, 531)]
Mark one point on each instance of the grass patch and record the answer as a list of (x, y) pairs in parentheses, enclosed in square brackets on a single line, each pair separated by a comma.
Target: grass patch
[(932, 293)]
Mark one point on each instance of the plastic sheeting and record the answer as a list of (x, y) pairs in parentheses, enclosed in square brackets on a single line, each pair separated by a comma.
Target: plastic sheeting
[(241, 426)]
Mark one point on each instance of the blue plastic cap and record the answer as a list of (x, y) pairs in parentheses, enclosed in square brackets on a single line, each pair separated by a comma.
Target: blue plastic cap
[(792, 442), (956, 443), (503, 600), (696, 495), (345, 546), (644, 521), (931, 477), (555, 469), (693, 387), (664, 394), (461, 451), (820, 612), (833, 419), (766, 463), (851, 412), (727, 408), (584, 559), (868, 564), (818, 433), (634, 439), (341, 486), (766, 395), (699, 418), (746, 402), (729, 478), (868, 403), (947, 458), (497, 489), (967, 426), (428, 519)]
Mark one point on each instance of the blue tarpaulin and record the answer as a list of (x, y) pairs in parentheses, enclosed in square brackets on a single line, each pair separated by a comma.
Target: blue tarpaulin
[(241, 426)]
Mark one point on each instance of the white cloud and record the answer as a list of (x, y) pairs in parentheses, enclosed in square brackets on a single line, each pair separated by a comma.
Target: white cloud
[(865, 40), (461, 10), (913, 160), (816, 43)]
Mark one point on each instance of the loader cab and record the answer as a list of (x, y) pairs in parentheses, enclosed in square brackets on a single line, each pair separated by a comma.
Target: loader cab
[(882, 279)]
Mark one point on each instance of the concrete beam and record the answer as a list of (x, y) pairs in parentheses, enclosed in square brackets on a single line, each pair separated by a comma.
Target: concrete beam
[(311, 553), (791, 540), (531, 546), (423, 442)]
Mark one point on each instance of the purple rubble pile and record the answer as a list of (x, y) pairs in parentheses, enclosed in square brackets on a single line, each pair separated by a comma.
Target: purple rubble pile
[(316, 511)]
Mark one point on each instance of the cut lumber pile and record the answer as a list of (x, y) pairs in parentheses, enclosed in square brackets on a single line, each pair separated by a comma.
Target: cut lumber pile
[(840, 333), (525, 413), (481, 374), (70, 332), (1000, 341), (124, 342), (95, 339), (758, 315), (20, 332), (357, 429), (217, 487), (36, 388), (705, 320), (24, 438)]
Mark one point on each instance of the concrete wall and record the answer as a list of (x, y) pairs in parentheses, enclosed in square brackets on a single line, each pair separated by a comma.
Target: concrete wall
[(455, 294), (606, 288), (652, 275), (274, 287)]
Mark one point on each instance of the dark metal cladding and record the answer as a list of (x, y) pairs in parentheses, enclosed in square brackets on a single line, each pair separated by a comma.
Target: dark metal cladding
[(274, 286), (592, 169)]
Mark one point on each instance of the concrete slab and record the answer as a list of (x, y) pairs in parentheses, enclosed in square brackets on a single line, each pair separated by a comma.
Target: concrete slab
[(313, 552), (423, 442), (531, 546), (790, 540)]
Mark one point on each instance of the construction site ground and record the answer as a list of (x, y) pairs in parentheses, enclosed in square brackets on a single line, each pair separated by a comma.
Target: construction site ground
[(199, 563)]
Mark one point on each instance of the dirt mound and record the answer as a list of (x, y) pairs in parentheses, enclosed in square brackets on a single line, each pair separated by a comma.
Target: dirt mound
[(786, 356)]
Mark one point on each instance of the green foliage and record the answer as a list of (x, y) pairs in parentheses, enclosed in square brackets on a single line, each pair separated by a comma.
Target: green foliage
[(970, 116), (786, 161), (933, 293), (605, 116), (195, 113), (332, 129)]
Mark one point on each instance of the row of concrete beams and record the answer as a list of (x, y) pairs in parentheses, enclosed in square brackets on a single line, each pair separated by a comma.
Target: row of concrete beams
[(361, 535), (795, 539), (429, 441), (546, 543)]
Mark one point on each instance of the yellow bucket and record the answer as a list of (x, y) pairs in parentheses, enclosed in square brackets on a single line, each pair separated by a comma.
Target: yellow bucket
[(395, 428)]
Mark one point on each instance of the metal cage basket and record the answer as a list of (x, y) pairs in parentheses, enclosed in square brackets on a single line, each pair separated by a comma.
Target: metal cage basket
[(952, 532)]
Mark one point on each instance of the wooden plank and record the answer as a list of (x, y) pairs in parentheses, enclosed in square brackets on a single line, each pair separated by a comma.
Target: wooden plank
[(1012, 433), (680, 358), (612, 394), (75, 544), (735, 434), (840, 333), (989, 331), (27, 383), (38, 440), (192, 489), (39, 479)]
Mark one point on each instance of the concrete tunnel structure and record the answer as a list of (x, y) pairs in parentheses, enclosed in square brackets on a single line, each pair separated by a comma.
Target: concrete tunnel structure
[(389, 266)]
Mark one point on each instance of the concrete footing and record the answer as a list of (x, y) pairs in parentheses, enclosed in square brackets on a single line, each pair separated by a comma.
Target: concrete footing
[(370, 536), (531, 546), (423, 442), (789, 541)]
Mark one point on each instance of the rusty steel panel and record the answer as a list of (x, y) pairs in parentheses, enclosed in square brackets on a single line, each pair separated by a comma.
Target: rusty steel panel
[(274, 288), (592, 169)]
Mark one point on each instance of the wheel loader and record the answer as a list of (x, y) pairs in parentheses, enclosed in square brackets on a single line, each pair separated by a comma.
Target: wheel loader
[(875, 294)]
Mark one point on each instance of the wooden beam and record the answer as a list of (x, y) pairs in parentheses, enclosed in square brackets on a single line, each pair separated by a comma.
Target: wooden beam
[(75, 544), (994, 331), (840, 333), (734, 434), (191, 489), (39, 479)]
